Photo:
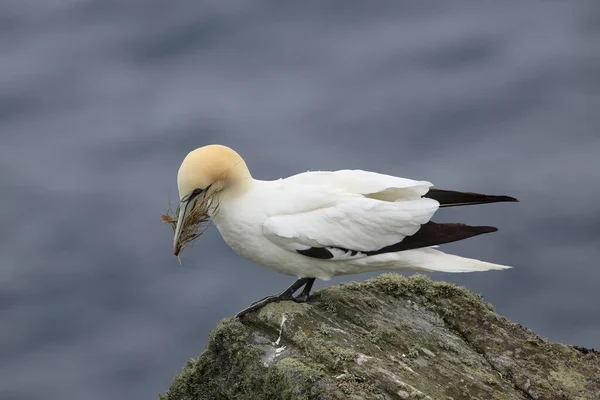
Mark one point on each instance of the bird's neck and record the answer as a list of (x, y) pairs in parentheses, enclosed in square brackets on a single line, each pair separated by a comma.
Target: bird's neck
[(237, 186)]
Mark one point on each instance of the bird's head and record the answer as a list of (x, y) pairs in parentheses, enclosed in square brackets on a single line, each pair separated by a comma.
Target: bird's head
[(205, 172)]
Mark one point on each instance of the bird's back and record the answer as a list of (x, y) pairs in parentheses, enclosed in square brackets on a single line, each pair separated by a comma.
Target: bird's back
[(369, 184)]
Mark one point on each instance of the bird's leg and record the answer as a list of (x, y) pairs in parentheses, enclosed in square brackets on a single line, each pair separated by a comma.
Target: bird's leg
[(287, 294), (303, 296)]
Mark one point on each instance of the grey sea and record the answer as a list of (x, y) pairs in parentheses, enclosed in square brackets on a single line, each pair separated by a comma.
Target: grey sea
[(100, 100)]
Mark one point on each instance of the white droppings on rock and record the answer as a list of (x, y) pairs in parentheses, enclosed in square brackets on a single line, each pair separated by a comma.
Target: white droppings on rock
[(270, 355), (283, 319), (273, 351)]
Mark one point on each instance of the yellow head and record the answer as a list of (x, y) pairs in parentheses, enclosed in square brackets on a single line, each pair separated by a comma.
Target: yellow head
[(211, 166), (208, 170)]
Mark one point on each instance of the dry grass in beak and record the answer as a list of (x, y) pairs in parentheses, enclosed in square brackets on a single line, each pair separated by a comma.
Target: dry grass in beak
[(196, 222)]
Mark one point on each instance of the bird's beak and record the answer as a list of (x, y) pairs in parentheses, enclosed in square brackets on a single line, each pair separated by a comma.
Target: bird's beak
[(186, 205)]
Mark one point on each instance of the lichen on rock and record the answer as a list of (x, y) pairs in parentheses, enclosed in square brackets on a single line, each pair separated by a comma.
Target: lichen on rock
[(390, 337)]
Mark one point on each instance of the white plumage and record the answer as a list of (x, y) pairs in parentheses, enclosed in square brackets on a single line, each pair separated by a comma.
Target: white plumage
[(349, 209), (349, 221), (275, 219), (323, 224)]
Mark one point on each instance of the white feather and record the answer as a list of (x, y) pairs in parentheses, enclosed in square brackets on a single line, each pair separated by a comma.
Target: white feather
[(364, 183), (355, 223), (344, 210)]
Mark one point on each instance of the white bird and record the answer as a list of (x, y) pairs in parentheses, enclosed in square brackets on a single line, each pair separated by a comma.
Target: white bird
[(325, 224)]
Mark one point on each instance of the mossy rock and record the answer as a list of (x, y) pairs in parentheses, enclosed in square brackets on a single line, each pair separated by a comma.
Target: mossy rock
[(390, 337)]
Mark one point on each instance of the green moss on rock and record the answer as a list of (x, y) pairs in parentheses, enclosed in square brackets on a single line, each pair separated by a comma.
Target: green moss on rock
[(391, 337)]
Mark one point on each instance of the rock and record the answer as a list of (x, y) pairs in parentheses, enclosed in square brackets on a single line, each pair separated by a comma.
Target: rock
[(387, 338)]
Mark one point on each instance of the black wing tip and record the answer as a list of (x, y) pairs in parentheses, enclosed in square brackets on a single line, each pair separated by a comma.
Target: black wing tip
[(451, 198), (430, 234), (464, 229), (508, 199), (484, 229)]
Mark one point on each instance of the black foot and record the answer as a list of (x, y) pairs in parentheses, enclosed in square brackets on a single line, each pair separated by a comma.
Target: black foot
[(305, 294), (287, 294)]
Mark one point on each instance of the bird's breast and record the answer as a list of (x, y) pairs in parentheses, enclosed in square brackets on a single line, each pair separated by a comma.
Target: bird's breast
[(241, 227)]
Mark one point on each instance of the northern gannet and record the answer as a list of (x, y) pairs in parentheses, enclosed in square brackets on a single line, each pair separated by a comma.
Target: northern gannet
[(322, 224)]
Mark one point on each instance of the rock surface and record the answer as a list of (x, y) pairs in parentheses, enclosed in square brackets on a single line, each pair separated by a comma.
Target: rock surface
[(387, 338)]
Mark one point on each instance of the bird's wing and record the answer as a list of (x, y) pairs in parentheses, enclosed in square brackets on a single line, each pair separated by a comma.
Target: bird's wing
[(369, 184), (351, 226)]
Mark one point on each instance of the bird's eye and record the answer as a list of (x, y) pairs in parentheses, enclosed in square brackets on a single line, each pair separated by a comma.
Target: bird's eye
[(194, 193)]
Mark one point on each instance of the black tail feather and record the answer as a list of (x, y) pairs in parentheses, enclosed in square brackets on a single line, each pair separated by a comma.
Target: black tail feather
[(450, 198), (433, 234)]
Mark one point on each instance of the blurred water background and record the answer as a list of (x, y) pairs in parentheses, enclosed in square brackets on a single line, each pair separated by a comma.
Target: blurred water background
[(100, 100)]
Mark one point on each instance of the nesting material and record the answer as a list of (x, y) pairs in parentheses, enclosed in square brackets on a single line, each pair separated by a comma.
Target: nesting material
[(196, 222)]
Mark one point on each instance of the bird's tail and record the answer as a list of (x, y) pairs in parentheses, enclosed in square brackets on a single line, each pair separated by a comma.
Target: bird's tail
[(451, 198), (429, 259)]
